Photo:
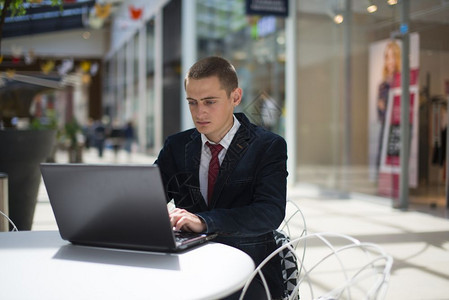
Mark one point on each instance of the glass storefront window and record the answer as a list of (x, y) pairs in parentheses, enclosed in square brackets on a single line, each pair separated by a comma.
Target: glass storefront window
[(349, 91), (149, 113), (107, 86), (256, 47), (111, 100), (121, 85), (346, 103)]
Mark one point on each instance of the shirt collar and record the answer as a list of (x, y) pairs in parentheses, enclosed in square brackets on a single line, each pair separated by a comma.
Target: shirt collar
[(227, 139)]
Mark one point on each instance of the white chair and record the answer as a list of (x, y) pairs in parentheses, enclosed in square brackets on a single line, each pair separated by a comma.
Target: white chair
[(335, 266), (14, 228), (294, 223), (293, 226)]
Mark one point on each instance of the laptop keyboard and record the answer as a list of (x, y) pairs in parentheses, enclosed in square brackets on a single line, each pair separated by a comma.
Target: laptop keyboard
[(183, 236)]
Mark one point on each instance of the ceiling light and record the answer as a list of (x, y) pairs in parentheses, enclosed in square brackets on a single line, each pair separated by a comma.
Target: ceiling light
[(338, 19), (392, 2), (372, 8)]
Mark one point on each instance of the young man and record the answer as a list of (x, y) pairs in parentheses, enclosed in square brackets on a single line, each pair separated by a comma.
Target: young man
[(247, 201)]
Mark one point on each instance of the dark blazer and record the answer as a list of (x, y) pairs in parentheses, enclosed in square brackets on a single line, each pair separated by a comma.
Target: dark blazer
[(249, 196)]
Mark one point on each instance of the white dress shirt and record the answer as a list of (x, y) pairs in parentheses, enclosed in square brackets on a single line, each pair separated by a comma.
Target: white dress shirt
[(206, 155)]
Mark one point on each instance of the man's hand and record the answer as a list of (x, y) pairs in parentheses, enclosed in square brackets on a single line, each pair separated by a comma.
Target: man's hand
[(181, 219)]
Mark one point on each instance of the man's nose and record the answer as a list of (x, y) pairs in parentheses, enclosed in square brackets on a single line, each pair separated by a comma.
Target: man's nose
[(202, 109)]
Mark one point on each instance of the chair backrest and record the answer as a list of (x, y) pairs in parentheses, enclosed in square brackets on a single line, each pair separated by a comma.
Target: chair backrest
[(14, 228), (335, 266), (294, 223), (289, 262), (293, 226)]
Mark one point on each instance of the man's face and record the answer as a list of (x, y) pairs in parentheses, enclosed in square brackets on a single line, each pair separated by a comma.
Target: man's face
[(210, 106)]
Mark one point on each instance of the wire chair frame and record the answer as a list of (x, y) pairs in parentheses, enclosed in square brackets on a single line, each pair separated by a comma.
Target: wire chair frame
[(14, 227), (286, 229), (375, 254), (378, 263), (286, 226)]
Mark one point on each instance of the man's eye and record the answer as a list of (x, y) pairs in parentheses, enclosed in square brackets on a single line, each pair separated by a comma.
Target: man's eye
[(209, 102), (192, 102)]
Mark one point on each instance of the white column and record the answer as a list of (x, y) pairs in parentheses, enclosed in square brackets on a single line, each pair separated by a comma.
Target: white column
[(189, 54), (142, 94), (291, 91), (158, 81), (4, 224), (405, 106), (347, 115), (129, 81)]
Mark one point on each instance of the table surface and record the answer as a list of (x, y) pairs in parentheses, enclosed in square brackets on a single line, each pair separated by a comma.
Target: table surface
[(40, 265)]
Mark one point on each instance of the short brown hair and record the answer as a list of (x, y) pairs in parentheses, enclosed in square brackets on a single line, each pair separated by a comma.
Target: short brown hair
[(215, 66)]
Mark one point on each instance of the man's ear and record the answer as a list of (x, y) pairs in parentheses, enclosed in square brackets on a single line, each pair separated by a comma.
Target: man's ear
[(237, 96)]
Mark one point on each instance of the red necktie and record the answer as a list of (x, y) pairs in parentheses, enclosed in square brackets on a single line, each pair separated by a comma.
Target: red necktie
[(214, 166)]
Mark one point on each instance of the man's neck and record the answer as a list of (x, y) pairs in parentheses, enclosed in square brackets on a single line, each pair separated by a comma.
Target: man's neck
[(218, 138), (231, 131)]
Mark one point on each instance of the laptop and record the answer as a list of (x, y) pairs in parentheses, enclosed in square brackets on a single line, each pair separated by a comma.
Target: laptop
[(115, 206)]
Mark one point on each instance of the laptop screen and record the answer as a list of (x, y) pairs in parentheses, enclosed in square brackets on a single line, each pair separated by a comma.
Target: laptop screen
[(122, 206)]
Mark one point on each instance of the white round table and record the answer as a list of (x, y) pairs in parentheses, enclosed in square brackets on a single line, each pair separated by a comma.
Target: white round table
[(40, 265)]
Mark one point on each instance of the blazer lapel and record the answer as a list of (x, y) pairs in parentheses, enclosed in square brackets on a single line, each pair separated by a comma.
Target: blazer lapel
[(192, 162), (236, 150), (192, 154)]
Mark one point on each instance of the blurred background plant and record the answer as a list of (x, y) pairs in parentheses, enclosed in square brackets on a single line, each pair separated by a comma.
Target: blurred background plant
[(72, 130), (73, 140), (47, 122)]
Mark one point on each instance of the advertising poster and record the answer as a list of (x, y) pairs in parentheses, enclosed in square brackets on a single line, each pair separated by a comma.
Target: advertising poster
[(385, 114)]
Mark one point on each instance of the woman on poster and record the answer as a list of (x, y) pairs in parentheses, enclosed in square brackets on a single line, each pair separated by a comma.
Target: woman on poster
[(390, 76)]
